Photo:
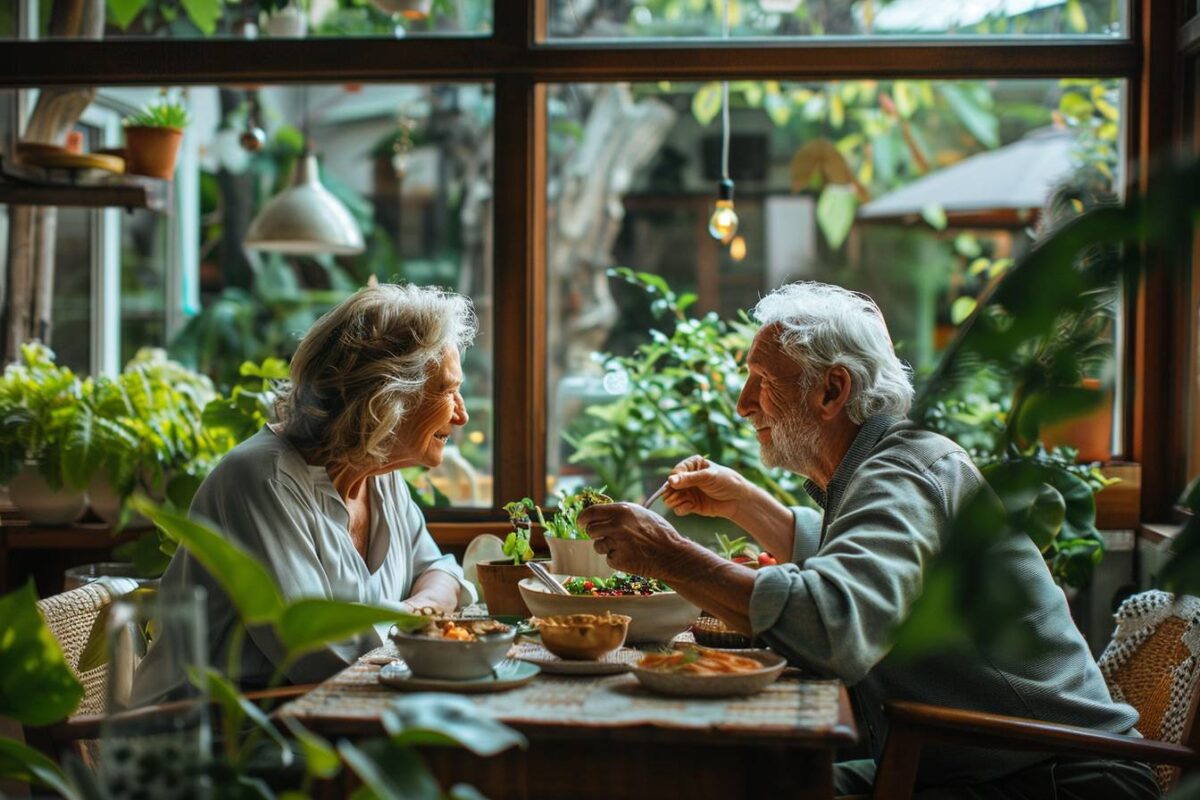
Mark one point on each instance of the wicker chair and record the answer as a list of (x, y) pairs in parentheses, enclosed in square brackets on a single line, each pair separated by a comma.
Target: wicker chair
[(1152, 663), (70, 617)]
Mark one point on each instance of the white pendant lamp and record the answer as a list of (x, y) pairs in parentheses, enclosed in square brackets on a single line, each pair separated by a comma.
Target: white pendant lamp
[(305, 219)]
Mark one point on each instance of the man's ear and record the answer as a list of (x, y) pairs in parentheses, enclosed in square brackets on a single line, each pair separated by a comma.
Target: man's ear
[(833, 392)]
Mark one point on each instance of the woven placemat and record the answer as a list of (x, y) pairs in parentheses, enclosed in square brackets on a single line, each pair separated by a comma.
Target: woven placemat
[(786, 706)]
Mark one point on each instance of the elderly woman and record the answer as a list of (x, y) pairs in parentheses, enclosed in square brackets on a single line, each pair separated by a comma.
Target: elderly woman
[(316, 497)]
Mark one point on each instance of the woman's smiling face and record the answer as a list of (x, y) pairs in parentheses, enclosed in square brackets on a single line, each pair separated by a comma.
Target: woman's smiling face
[(422, 436)]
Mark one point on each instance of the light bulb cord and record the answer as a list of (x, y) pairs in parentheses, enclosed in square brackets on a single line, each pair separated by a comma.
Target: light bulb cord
[(725, 101)]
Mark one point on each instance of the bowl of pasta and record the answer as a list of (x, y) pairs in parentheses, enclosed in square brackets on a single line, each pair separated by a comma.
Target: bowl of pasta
[(693, 671)]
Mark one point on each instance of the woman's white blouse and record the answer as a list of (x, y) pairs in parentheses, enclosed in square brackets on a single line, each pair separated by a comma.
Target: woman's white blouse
[(286, 513)]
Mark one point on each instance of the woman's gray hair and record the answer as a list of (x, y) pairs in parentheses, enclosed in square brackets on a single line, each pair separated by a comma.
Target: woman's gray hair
[(363, 366), (821, 326)]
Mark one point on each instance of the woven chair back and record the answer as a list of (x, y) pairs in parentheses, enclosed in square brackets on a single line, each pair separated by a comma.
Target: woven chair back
[(1153, 664), (70, 617)]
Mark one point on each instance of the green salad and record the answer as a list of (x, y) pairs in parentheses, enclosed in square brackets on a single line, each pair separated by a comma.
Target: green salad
[(619, 585)]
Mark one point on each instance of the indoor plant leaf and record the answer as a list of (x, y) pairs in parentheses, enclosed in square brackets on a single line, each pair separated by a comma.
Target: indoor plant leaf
[(388, 771), (320, 758), (23, 763), (249, 586), (308, 624), (446, 719), (36, 685), (835, 213), (236, 707)]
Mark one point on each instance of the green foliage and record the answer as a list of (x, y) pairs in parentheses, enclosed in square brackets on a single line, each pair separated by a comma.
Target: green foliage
[(43, 417), (446, 719), (22, 763), (307, 625), (36, 685), (681, 400), (564, 525), (161, 114), (517, 547)]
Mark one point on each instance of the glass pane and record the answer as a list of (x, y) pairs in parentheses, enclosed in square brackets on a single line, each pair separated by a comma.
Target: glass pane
[(916, 192), (604, 19), (263, 19), (145, 251)]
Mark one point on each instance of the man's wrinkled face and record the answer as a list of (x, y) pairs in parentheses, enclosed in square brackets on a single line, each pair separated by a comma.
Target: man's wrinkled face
[(774, 400)]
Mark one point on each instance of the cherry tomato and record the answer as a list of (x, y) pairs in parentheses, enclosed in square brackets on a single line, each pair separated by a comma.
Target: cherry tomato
[(741, 559), (588, 585), (767, 560)]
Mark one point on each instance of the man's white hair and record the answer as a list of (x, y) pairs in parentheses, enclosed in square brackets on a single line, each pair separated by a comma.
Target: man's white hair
[(821, 326)]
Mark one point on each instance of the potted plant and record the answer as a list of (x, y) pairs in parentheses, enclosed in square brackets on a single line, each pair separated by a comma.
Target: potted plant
[(499, 578), (571, 550), (43, 413), (152, 138), (285, 18)]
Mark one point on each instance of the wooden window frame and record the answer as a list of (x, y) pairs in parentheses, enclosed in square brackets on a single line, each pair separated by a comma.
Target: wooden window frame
[(519, 62)]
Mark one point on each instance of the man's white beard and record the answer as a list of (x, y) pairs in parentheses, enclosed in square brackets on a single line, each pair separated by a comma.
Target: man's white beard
[(795, 442)]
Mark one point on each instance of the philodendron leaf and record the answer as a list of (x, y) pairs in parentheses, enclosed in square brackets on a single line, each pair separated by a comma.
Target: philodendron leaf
[(249, 586), (447, 719), (1055, 404), (308, 624), (36, 685), (320, 759), (1019, 485), (22, 763), (236, 707), (389, 771), (835, 213), (123, 12), (1045, 516), (203, 14)]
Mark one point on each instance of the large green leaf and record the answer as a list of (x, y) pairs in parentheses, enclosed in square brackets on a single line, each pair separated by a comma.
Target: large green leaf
[(236, 708), (835, 213), (122, 12), (447, 719), (1023, 484), (249, 586), (203, 14), (706, 103), (389, 772), (979, 121), (22, 763), (308, 624), (1055, 404), (36, 685), (320, 759)]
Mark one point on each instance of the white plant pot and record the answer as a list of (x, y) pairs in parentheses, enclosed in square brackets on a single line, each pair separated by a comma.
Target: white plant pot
[(40, 504), (576, 557), (107, 504), (415, 8), (287, 22)]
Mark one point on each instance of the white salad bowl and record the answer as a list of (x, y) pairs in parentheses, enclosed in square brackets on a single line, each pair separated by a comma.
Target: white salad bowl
[(654, 617)]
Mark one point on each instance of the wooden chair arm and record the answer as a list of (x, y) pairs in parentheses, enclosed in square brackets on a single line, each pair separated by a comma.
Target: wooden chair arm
[(87, 726), (935, 723)]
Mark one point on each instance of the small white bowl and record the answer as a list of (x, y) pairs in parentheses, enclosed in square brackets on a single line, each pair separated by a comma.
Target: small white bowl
[(447, 659), (654, 617)]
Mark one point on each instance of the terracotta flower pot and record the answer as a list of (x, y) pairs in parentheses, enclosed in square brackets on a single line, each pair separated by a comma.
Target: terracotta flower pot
[(499, 581), (1090, 434), (152, 151)]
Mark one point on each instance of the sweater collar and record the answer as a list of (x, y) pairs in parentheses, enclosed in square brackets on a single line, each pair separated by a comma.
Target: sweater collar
[(864, 442)]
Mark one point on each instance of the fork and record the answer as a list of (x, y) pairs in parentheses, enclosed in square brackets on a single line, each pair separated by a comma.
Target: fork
[(546, 578)]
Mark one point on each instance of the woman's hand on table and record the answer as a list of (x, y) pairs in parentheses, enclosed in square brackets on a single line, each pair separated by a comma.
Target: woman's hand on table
[(699, 486), (634, 539)]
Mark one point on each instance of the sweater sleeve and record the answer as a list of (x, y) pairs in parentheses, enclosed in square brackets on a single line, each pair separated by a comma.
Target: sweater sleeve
[(426, 553), (835, 612)]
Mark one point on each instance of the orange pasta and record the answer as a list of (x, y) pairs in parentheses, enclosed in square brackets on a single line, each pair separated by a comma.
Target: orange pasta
[(699, 661)]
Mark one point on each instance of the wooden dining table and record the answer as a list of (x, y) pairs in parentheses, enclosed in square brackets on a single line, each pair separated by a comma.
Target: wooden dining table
[(608, 737)]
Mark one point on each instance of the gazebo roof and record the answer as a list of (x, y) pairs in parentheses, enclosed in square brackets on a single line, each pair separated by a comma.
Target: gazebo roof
[(1002, 187)]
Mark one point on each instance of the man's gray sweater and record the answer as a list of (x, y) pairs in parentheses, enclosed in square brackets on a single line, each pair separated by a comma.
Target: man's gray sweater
[(857, 570)]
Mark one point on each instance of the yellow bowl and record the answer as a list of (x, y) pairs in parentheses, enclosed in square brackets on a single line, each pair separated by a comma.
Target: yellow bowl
[(583, 637)]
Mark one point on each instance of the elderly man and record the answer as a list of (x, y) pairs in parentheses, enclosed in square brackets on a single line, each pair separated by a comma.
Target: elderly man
[(827, 397)]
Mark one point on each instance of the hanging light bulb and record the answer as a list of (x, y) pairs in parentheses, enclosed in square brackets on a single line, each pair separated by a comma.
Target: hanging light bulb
[(723, 223)]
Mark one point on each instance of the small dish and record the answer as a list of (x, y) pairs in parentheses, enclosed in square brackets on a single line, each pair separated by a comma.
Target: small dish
[(614, 663), (450, 660), (737, 684), (509, 674), (583, 637)]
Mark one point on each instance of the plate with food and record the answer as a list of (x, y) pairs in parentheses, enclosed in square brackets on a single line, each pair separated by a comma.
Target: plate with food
[(509, 673), (454, 649), (611, 663), (702, 672), (656, 612)]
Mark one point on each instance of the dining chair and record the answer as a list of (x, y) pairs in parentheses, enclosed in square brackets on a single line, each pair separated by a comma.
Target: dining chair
[(1152, 663)]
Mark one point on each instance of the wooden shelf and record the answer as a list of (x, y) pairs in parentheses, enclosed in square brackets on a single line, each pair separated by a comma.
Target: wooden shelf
[(21, 185), (20, 535)]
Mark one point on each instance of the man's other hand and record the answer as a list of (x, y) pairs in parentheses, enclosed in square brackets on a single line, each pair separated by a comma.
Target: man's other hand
[(700, 486)]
